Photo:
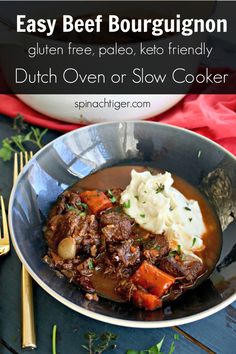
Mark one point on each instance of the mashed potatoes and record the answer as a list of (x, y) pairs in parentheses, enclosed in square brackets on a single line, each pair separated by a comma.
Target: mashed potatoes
[(158, 207)]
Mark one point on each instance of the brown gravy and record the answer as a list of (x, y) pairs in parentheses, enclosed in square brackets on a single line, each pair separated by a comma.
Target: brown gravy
[(105, 286), (120, 177)]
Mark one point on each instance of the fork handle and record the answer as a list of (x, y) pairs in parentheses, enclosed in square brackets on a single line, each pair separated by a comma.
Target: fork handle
[(28, 326)]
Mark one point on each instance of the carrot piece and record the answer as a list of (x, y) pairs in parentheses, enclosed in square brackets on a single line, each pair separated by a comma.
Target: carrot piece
[(145, 300), (96, 200), (154, 280), (132, 249)]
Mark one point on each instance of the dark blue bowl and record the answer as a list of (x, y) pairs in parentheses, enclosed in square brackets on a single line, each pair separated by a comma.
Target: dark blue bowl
[(81, 152)]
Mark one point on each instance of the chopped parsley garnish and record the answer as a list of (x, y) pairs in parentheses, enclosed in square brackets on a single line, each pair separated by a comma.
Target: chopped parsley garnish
[(194, 241), (112, 197), (109, 192), (127, 204), (179, 250), (71, 208), (90, 264), (145, 191), (137, 197), (139, 240), (77, 211), (84, 205), (160, 188), (172, 253), (142, 215), (190, 219), (187, 208)]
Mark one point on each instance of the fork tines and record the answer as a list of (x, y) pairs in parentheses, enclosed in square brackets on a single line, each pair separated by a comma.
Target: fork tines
[(4, 235), (19, 161)]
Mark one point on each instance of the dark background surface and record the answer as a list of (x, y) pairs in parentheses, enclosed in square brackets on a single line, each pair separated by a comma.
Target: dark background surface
[(217, 332)]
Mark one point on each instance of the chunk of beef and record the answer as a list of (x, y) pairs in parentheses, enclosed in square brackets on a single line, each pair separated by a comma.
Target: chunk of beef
[(113, 218), (61, 226), (187, 267), (84, 229), (67, 267), (140, 234), (87, 229), (125, 289), (117, 227), (108, 266), (87, 235), (53, 260), (155, 248), (68, 198), (124, 253), (86, 267), (71, 198), (85, 283), (84, 272)]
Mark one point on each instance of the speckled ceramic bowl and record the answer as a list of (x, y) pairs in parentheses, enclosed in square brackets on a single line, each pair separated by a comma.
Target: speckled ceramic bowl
[(81, 152)]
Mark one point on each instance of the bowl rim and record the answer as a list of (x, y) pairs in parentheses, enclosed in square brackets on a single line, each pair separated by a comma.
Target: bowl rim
[(90, 313)]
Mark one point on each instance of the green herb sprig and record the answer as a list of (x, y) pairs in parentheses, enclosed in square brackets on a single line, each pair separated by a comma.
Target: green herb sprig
[(16, 143), (155, 349), (98, 344), (101, 343)]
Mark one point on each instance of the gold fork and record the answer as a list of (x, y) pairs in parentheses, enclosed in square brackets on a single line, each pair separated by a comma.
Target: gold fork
[(4, 235), (28, 325)]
